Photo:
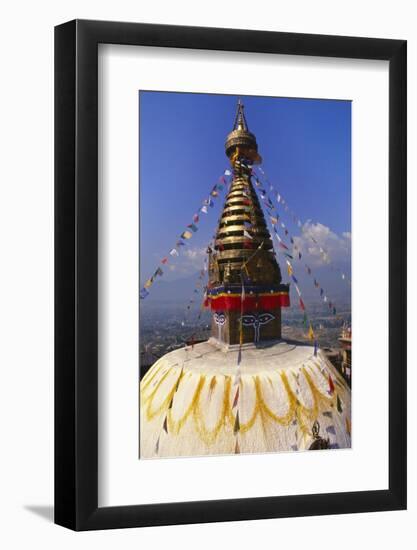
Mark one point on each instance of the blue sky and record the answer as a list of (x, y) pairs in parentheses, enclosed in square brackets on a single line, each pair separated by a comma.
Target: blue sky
[(306, 150)]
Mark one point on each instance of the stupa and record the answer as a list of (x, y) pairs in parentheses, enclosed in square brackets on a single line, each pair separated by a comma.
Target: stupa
[(245, 390)]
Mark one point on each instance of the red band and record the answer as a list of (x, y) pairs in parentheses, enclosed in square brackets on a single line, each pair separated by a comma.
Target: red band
[(250, 303)]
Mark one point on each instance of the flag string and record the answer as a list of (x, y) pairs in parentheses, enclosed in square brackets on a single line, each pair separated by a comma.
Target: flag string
[(188, 232), (274, 221), (303, 226)]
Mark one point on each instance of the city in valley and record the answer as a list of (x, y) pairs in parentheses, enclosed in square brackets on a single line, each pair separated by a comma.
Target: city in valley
[(166, 326)]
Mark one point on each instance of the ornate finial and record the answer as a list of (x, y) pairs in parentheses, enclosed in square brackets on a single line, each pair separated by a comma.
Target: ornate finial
[(241, 142), (240, 119)]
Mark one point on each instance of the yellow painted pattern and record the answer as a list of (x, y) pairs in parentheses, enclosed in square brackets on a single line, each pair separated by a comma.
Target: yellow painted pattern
[(296, 410)]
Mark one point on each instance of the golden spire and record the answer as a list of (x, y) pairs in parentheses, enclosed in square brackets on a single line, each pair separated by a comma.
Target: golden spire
[(244, 289), (243, 240)]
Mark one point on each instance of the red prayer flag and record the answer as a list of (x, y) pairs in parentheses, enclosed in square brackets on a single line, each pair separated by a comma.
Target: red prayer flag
[(331, 385), (236, 399), (302, 306)]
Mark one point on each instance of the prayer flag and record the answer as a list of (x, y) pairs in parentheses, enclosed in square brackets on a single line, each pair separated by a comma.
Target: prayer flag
[(236, 399), (302, 306), (315, 348), (164, 261), (143, 293), (174, 252), (148, 283), (247, 235), (294, 279), (180, 243), (273, 220), (299, 255), (193, 227), (282, 245), (289, 269), (236, 427), (227, 173), (331, 385), (311, 332), (204, 209), (158, 272), (186, 235), (196, 218), (298, 290)]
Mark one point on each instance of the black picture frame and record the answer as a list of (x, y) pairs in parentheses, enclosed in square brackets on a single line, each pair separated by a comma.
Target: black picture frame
[(76, 272)]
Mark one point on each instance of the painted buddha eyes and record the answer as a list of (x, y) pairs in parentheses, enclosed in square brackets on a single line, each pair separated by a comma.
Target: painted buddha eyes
[(248, 320), (219, 318), (264, 318)]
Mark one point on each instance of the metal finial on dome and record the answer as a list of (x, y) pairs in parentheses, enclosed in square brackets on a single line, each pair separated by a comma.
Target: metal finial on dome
[(240, 119), (241, 140)]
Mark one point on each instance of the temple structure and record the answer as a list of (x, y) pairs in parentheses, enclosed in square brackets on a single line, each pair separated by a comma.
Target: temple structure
[(245, 390), (245, 291)]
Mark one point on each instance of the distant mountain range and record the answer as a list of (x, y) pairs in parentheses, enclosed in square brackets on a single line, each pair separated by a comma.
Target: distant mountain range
[(182, 290)]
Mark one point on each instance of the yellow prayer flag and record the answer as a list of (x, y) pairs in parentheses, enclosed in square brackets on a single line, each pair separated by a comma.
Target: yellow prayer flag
[(311, 332), (186, 235)]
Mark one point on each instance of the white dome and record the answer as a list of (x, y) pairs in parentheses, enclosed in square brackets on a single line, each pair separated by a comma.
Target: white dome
[(188, 403)]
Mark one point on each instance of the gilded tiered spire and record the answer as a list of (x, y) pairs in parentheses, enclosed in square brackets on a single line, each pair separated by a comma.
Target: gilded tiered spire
[(244, 276)]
